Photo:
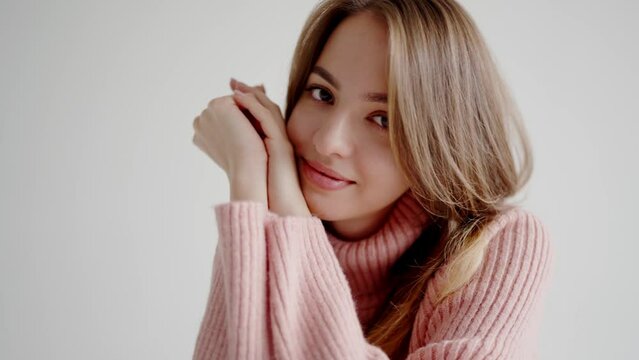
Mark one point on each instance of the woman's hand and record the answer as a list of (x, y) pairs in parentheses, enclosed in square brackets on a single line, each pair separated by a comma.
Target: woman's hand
[(284, 193), (225, 134)]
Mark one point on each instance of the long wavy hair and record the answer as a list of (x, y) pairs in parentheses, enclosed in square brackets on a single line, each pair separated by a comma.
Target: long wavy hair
[(454, 130)]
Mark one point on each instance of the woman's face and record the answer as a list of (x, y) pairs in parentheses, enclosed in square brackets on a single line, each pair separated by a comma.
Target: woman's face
[(341, 122)]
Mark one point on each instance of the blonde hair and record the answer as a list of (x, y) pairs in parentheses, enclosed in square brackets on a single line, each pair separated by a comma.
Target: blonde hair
[(454, 130)]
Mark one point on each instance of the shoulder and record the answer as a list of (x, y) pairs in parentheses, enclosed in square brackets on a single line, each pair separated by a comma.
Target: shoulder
[(518, 229), (496, 309), (503, 296), (516, 257), (518, 254)]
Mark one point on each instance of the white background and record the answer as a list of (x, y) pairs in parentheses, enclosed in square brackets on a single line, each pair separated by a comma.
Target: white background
[(106, 228)]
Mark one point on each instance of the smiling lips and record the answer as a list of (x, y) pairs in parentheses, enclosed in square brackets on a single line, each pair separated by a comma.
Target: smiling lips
[(323, 177)]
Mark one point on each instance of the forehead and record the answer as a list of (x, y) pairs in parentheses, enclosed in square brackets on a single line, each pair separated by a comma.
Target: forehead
[(356, 53)]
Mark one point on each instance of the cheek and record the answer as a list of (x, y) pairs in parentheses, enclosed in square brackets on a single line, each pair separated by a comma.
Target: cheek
[(384, 172)]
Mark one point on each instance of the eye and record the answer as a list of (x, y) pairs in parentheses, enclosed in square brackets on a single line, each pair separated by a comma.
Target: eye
[(317, 92), (383, 122)]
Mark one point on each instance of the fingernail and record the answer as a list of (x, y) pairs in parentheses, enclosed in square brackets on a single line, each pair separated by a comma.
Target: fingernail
[(238, 91)]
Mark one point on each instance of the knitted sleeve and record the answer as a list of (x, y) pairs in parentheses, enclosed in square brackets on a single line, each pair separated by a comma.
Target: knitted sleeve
[(496, 314), (278, 291), (235, 324)]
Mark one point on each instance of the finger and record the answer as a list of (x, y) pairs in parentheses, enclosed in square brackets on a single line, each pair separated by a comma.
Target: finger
[(196, 123), (236, 84), (261, 96), (244, 87), (259, 92), (196, 141), (261, 113)]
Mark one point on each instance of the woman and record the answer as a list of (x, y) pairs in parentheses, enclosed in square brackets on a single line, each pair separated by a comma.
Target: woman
[(370, 220)]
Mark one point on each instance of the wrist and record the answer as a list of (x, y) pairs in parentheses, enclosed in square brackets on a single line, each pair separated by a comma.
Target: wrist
[(279, 148), (249, 185)]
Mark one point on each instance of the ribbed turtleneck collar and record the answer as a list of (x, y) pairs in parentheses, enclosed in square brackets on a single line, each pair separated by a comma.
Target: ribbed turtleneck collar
[(367, 262)]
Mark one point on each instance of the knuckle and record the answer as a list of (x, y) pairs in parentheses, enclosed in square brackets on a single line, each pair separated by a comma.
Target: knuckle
[(275, 108), (218, 104), (212, 102), (227, 101), (218, 101)]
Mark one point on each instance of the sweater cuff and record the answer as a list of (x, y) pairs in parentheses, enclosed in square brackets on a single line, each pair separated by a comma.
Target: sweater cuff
[(242, 292), (240, 226), (292, 226), (228, 211)]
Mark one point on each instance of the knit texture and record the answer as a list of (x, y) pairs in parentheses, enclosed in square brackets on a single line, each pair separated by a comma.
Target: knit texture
[(285, 288)]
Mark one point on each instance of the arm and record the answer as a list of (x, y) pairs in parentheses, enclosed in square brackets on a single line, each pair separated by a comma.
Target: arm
[(250, 299), (235, 320), (234, 324), (307, 310), (313, 314), (495, 315)]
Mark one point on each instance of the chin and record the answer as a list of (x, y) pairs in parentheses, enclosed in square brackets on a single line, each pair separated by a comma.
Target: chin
[(323, 206)]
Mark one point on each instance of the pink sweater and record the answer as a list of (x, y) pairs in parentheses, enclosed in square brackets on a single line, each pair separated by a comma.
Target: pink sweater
[(284, 288)]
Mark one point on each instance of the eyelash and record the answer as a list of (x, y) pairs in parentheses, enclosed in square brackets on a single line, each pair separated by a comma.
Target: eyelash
[(310, 89)]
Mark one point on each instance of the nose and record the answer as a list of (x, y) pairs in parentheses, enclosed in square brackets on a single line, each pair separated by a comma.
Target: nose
[(334, 137)]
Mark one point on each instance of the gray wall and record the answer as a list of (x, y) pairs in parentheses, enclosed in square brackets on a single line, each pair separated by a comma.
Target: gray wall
[(106, 228)]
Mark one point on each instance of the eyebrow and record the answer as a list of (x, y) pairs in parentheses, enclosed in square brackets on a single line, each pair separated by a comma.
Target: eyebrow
[(372, 97)]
